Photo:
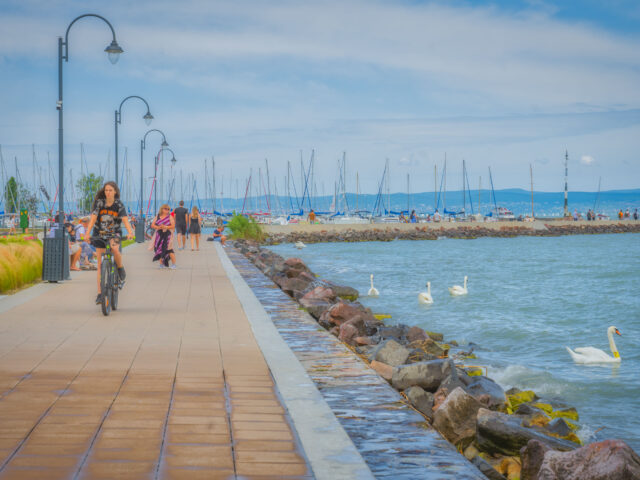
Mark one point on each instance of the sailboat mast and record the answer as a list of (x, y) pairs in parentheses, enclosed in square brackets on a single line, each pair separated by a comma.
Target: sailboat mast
[(435, 186), (357, 190), (464, 191), (566, 182), (531, 175)]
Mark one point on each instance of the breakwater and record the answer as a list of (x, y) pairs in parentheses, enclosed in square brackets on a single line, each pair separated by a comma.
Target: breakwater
[(491, 430), (316, 233)]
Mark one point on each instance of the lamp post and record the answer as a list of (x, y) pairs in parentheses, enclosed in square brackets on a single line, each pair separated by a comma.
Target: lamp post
[(155, 174), (61, 252), (143, 143), (118, 119)]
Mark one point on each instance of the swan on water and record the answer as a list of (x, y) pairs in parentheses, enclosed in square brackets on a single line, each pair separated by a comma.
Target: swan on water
[(299, 245), (595, 355), (425, 297), (458, 290), (373, 291)]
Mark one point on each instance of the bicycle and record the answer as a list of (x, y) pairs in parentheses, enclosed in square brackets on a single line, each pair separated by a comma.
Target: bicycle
[(110, 283)]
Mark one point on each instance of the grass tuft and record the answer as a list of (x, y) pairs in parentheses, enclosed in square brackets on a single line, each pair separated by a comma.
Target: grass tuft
[(20, 262)]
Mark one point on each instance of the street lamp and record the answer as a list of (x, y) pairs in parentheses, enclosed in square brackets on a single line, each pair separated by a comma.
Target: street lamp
[(155, 183), (118, 119), (61, 252), (143, 143)]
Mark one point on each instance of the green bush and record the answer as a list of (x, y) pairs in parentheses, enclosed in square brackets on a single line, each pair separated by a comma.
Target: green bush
[(246, 228)]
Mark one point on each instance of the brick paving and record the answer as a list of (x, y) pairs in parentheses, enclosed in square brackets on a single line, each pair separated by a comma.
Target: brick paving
[(172, 385)]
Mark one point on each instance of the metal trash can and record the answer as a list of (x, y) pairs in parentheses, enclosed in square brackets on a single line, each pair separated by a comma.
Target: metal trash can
[(140, 230), (55, 257)]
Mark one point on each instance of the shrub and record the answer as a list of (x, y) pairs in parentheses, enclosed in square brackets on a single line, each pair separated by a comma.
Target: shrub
[(20, 263), (246, 228)]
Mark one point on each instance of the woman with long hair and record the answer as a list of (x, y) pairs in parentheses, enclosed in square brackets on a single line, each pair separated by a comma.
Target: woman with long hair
[(108, 215), (194, 227), (164, 224)]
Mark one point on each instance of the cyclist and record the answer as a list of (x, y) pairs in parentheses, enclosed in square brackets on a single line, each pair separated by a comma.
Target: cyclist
[(107, 216)]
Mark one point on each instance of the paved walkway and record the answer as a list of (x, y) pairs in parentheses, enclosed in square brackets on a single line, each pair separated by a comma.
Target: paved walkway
[(172, 385)]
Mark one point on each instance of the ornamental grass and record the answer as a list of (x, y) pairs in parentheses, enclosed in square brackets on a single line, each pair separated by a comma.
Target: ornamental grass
[(20, 262)]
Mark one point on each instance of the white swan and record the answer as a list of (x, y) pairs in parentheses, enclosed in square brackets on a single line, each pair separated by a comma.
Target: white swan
[(299, 245), (373, 291), (458, 290), (425, 297), (595, 355)]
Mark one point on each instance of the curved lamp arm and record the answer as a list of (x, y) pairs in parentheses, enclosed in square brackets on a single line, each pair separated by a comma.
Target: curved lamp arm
[(114, 50), (147, 117), (164, 138), (173, 155)]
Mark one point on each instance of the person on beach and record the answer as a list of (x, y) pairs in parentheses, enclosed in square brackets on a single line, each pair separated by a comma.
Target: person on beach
[(412, 217), (627, 214), (164, 225), (635, 214), (312, 216), (217, 233), (180, 215), (108, 215), (436, 216), (12, 225), (194, 227), (620, 214)]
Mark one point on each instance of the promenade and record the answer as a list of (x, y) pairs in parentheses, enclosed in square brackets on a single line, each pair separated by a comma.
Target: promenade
[(172, 385)]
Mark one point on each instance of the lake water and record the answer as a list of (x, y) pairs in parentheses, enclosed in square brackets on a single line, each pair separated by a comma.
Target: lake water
[(528, 298)]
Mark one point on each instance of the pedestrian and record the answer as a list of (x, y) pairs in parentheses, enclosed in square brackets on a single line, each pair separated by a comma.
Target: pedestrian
[(194, 227), (180, 215), (12, 224), (312, 216), (164, 225), (412, 217)]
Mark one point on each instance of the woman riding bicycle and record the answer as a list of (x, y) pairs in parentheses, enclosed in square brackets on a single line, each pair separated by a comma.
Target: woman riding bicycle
[(108, 214)]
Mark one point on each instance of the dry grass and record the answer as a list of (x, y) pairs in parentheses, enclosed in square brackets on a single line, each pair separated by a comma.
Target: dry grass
[(20, 262)]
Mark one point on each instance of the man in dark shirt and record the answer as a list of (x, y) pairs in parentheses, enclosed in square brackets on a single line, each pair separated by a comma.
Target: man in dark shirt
[(181, 224)]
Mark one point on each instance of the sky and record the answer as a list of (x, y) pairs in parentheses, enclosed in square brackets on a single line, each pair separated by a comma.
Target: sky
[(501, 84)]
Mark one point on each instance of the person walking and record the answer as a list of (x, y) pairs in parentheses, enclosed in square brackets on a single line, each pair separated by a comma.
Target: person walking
[(181, 220), (194, 227), (164, 225)]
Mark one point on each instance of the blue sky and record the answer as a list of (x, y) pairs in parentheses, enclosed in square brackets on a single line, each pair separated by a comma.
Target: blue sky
[(502, 84)]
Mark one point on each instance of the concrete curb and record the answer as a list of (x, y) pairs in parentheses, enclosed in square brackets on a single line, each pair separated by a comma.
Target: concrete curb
[(329, 449)]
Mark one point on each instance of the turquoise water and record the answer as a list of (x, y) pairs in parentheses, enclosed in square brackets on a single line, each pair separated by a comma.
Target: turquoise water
[(528, 298)]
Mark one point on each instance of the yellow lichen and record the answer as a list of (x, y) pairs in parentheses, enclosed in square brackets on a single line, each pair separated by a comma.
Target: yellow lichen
[(516, 399)]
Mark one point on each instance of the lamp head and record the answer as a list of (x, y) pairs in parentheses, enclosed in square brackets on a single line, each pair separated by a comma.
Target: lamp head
[(147, 118), (113, 51), (173, 160), (164, 144)]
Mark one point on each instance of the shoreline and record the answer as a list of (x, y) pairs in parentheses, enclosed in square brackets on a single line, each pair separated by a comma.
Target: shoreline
[(317, 233), (496, 430)]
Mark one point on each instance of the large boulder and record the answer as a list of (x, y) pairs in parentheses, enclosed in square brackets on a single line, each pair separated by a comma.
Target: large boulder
[(317, 300), (345, 292), (351, 330), (455, 419), (487, 392), (397, 332), (500, 433), (292, 285), (294, 266), (391, 353), (384, 370), (607, 460), (427, 375), (416, 333), (448, 385), (428, 347), (342, 312), (421, 400), (486, 468)]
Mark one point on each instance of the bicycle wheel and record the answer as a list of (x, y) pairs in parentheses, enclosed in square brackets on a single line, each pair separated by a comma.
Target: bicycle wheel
[(115, 287), (105, 286)]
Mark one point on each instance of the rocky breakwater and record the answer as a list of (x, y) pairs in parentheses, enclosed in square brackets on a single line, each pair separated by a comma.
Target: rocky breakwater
[(513, 434), (450, 230)]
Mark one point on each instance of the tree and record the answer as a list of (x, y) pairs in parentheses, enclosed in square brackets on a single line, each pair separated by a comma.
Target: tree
[(88, 186), (11, 198)]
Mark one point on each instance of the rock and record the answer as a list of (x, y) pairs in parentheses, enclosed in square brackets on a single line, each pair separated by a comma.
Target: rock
[(291, 285), (294, 266), (428, 347), (348, 333), (416, 333), (342, 312), (500, 433), (448, 385), (509, 467), (427, 375), (607, 460), (559, 427), (315, 307), (470, 452), (320, 293), (397, 332), (347, 293), (527, 409), (492, 393), (486, 468), (317, 300), (455, 419), (384, 370), (532, 456), (417, 355), (364, 341), (391, 353), (421, 400), (438, 337)]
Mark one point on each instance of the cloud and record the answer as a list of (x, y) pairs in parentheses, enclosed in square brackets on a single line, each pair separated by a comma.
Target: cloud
[(587, 160)]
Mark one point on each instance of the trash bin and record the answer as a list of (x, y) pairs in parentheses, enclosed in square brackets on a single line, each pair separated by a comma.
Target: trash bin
[(55, 257), (140, 230)]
